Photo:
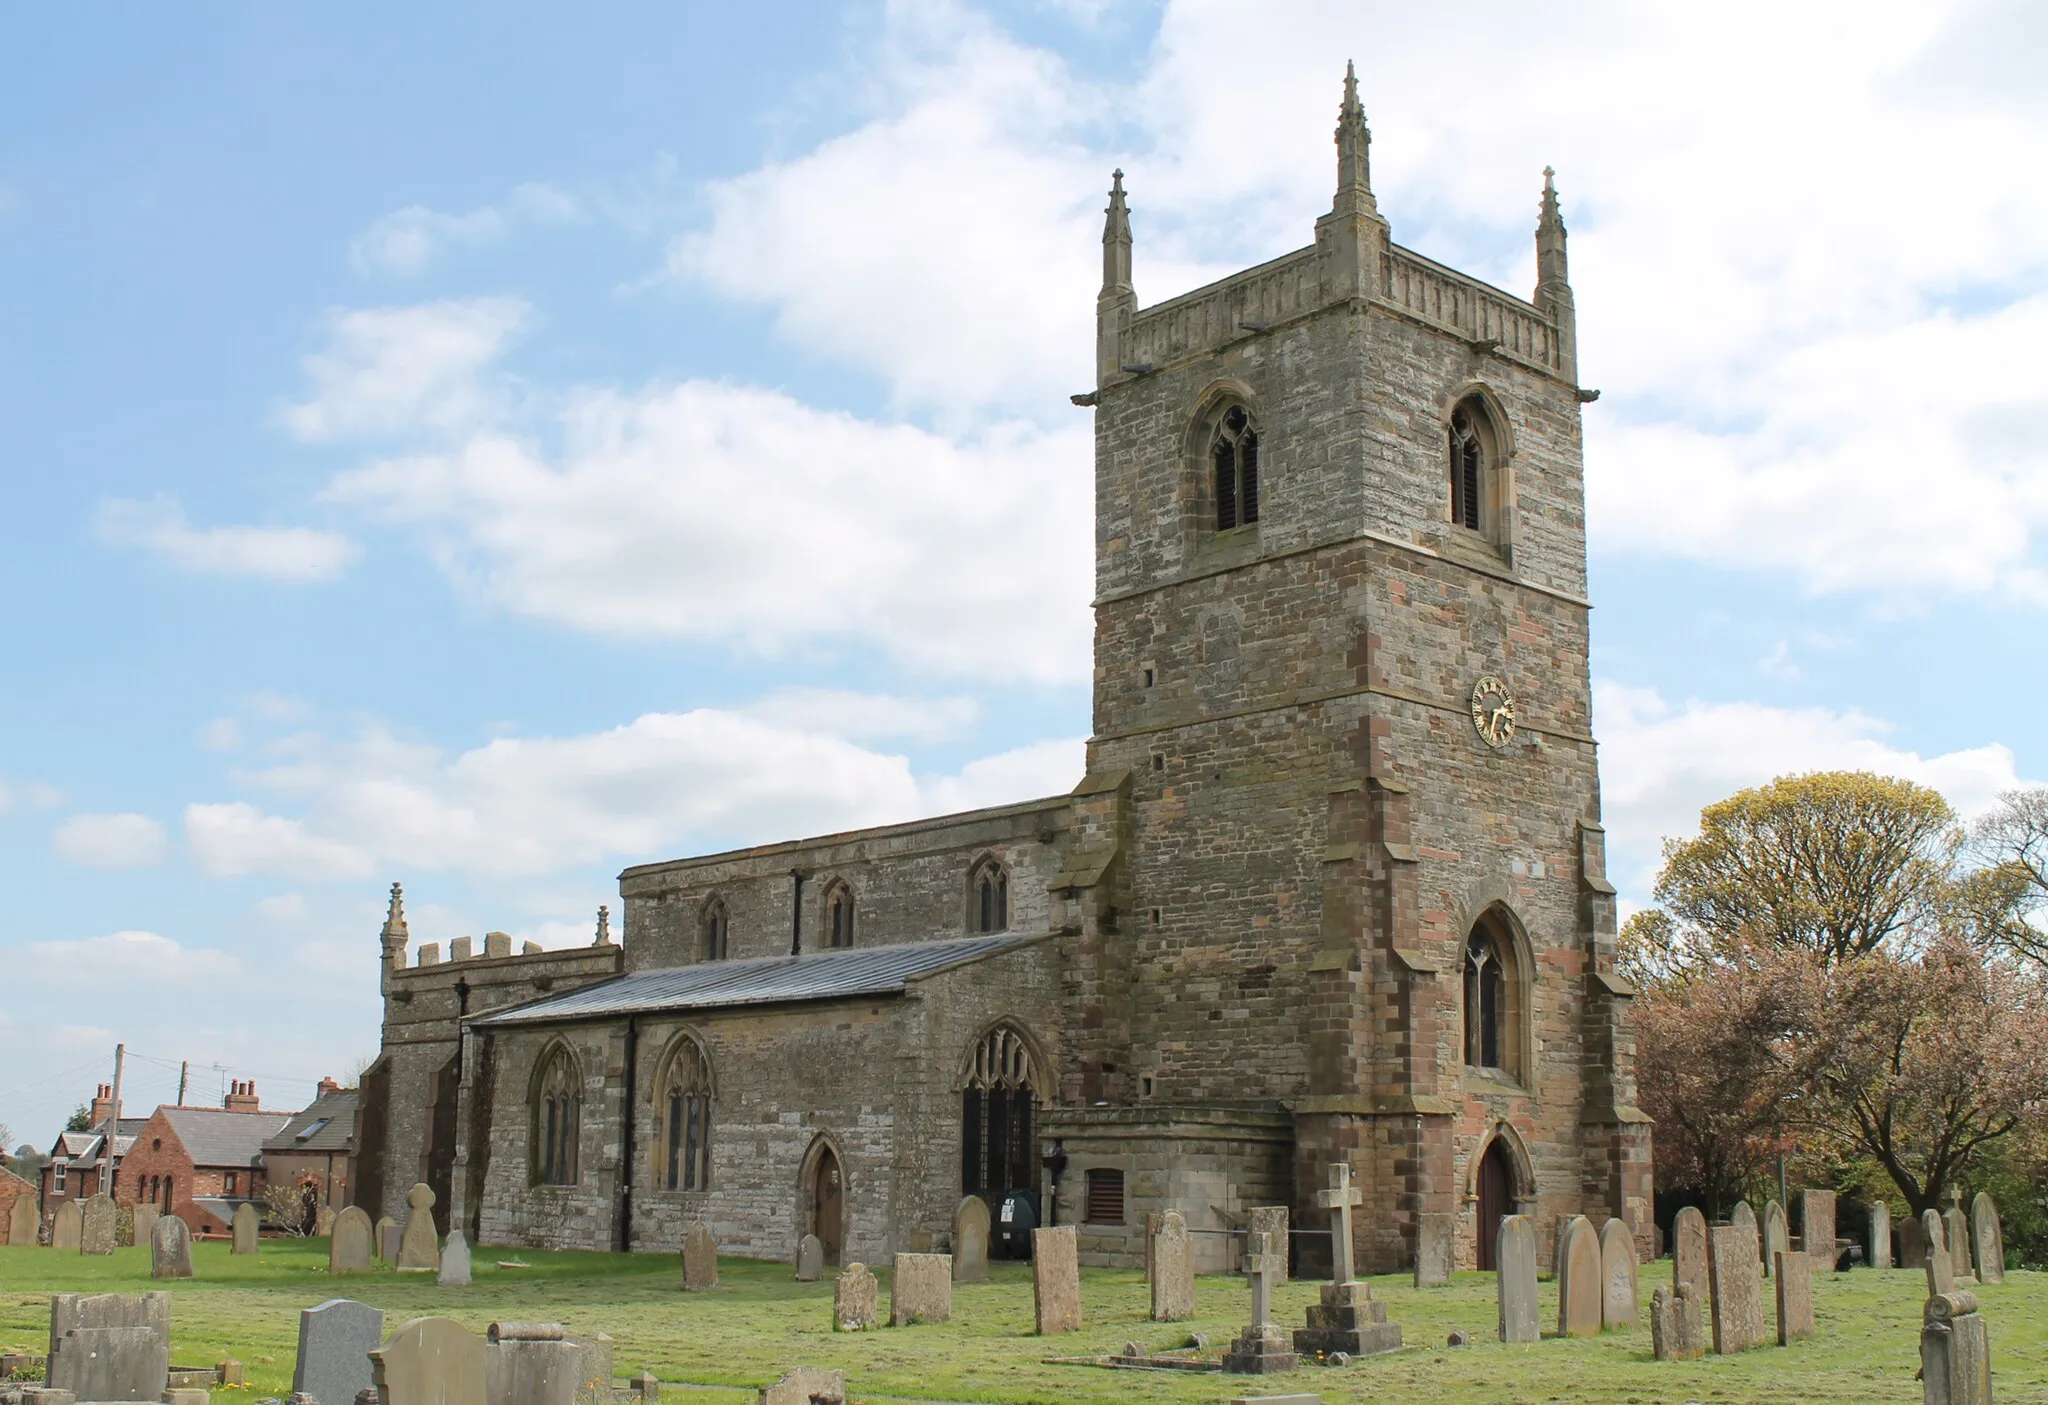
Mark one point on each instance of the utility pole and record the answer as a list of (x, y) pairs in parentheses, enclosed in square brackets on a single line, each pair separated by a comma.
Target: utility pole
[(184, 1071), (114, 1123)]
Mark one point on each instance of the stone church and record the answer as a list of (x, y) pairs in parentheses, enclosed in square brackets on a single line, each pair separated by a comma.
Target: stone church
[(1332, 887)]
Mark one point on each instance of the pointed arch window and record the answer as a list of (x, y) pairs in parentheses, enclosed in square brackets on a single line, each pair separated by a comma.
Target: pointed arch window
[(684, 1103), (1495, 1000), (1468, 465), (557, 1119), (1234, 464), (997, 1110), (711, 942), (839, 915), (988, 898)]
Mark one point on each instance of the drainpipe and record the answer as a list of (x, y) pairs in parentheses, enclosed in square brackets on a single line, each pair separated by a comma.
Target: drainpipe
[(626, 1135), (796, 912)]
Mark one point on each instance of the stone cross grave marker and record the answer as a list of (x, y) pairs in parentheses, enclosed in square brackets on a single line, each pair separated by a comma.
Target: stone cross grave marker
[(170, 1248), (96, 1226), (454, 1271), (1880, 1235), (66, 1225), (1735, 1279), (1173, 1270), (419, 1251), (1955, 1351), (1259, 1348), (970, 1240), (1056, 1280), (1340, 1199), (335, 1342), (21, 1221), (807, 1385), (144, 1223), (1617, 1278), (429, 1361), (1777, 1239), (110, 1346), (245, 1227), (386, 1240), (856, 1300), (1941, 1273), (1987, 1237), (1795, 1296), (920, 1289), (348, 1250), (1515, 1280), (700, 1258), (1955, 1234), (1689, 1252), (1434, 1231), (1347, 1320), (810, 1259), (1817, 1227), (1271, 1221), (1579, 1291)]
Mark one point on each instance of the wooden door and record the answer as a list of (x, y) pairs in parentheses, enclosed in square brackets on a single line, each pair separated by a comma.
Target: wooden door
[(828, 1204), (1496, 1201)]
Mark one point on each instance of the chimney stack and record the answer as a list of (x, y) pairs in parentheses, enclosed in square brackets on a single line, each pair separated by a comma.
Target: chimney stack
[(102, 1104), (328, 1085), (242, 1097)]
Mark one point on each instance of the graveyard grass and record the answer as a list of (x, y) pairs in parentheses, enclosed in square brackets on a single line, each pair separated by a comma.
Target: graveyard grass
[(758, 1322)]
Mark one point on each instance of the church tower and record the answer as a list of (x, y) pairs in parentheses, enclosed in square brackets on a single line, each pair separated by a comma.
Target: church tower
[(1359, 908)]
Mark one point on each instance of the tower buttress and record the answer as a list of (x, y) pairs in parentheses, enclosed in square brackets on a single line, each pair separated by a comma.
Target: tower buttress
[(1553, 282), (1118, 301), (1354, 236)]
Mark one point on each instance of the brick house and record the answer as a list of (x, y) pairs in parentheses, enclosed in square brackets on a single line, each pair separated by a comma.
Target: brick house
[(12, 1188), (77, 1167), (200, 1163), (319, 1143)]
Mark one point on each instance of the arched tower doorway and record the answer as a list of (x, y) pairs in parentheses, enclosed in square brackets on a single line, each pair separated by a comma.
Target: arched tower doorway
[(825, 1200), (1496, 1200)]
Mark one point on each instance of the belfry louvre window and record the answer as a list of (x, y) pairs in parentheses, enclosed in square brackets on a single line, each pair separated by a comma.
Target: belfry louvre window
[(988, 898), (839, 915), (558, 1117), (1468, 460), (1234, 456), (997, 1153), (686, 1112), (1105, 1196)]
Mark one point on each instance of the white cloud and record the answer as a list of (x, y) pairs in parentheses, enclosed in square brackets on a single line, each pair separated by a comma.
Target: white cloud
[(857, 716), (112, 841), (271, 553), (406, 242), (124, 958), (408, 370), (235, 838), (221, 734), (34, 795)]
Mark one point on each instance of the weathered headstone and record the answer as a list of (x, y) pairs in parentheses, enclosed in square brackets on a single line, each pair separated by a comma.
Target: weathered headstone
[(1987, 1237), (1745, 1218), (1434, 1237), (1955, 1351), (807, 1385), (323, 1221), (385, 1241), (1735, 1281), (810, 1259), (1817, 1227), (920, 1289), (1795, 1296), (335, 1342), (1340, 1200), (1271, 1221), (110, 1346), (430, 1361), (1689, 1252), (1675, 1325), (145, 1218), (66, 1225), (22, 1221), (970, 1240), (1260, 1349), (1173, 1270), (700, 1258), (1515, 1257), (1056, 1280), (1955, 1234), (170, 1248), (1880, 1235), (245, 1226), (454, 1271), (1617, 1278), (1579, 1290), (539, 1363), (348, 1248), (1941, 1273), (856, 1300), (1777, 1238), (96, 1227), (1912, 1242), (419, 1248)]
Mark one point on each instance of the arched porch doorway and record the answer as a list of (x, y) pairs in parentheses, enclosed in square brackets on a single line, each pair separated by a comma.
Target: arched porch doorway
[(1496, 1200), (825, 1199)]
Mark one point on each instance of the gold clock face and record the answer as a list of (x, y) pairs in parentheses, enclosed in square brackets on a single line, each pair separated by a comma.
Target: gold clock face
[(1493, 711)]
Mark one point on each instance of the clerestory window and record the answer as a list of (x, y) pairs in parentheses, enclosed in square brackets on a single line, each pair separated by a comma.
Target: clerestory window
[(712, 931), (839, 915), (1234, 461)]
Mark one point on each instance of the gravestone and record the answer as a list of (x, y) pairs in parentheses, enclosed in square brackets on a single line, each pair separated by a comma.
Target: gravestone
[(1340, 1200), (335, 1342), (1817, 1227), (539, 1363), (429, 1361), (419, 1249), (1795, 1296), (1744, 1217), (1955, 1235), (1579, 1291), (245, 1228), (920, 1289), (700, 1258), (806, 1385), (144, 1219), (1675, 1325), (1056, 1280), (1987, 1237), (66, 1225), (970, 1240), (1880, 1235), (348, 1250), (385, 1240), (1912, 1242), (594, 1371), (170, 1248), (810, 1259), (96, 1226), (22, 1221), (110, 1346), (454, 1271), (1736, 1287), (1271, 1221), (1515, 1256), (1777, 1238), (1173, 1270), (1955, 1352), (1617, 1278), (1260, 1349), (1434, 1231), (856, 1300), (1941, 1273), (323, 1221), (1349, 1321), (1689, 1252)]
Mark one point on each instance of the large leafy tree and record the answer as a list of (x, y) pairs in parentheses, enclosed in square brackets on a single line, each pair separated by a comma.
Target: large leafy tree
[(2012, 890)]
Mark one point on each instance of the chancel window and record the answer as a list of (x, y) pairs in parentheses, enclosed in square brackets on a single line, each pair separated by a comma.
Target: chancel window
[(1493, 1000), (997, 1153), (1234, 461), (685, 1103), (558, 1118), (839, 915), (988, 898), (713, 931)]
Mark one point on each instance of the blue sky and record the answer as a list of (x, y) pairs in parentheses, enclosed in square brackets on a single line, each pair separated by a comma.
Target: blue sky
[(483, 448)]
